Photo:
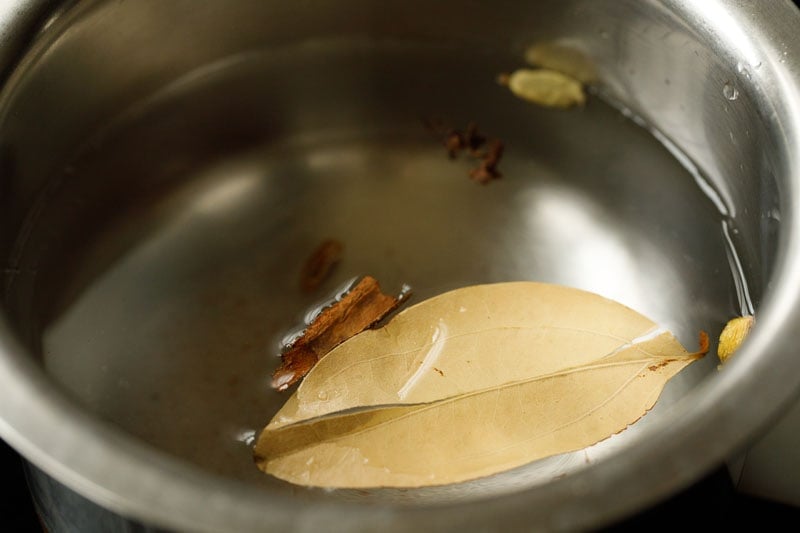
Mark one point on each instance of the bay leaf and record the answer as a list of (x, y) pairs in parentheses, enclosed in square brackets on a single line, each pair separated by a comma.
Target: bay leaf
[(471, 338), (470, 383)]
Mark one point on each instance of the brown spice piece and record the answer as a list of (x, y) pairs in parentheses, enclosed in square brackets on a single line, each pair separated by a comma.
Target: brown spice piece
[(319, 264), (472, 141), (487, 170), (361, 308), (454, 142)]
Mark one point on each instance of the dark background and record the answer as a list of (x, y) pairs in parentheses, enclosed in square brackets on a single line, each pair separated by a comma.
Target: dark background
[(712, 502)]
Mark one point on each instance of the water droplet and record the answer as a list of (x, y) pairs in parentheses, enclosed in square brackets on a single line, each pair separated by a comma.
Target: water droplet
[(291, 337), (740, 67), (730, 92), (322, 395), (405, 292), (247, 436)]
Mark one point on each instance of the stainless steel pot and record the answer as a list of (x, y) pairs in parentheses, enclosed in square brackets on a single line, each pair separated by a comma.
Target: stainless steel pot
[(164, 166)]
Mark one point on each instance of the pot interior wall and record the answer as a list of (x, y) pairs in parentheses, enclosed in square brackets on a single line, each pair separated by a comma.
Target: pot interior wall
[(170, 179)]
